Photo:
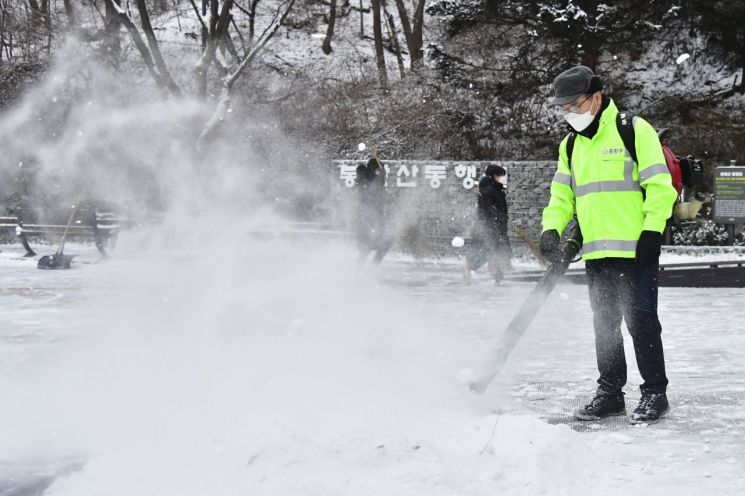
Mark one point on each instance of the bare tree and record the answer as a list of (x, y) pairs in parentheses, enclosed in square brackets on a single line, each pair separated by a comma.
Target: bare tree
[(393, 36), (335, 13), (72, 16), (40, 15), (218, 27), (15, 30), (120, 15), (36, 14), (3, 17), (155, 49), (47, 15), (112, 26), (413, 33), (378, 40), (205, 29), (229, 80), (326, 46), (251, 13), (362, 21), (25, 29)]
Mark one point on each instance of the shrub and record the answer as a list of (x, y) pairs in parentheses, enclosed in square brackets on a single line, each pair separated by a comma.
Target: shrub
[(704, 232)]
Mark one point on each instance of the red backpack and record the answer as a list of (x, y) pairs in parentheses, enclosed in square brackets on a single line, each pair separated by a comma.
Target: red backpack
[(673, 165)]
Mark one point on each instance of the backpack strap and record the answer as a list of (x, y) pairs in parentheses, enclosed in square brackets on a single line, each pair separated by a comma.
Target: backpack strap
[(570, 148), (625, 126)]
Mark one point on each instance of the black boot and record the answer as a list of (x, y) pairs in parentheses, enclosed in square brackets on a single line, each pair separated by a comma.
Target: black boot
[(651, 408), (602, 406)]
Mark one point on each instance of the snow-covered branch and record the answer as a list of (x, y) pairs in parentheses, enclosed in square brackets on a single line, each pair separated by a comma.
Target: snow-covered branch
[(223, 104), (265, 37)]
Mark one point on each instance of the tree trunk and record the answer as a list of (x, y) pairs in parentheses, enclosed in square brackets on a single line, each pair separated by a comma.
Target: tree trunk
[(393, 35), (37, 17), (147, 27), (46, 12), (739, 87), (379, 53), (405, 23), (417, 35), (326, 46), (218, 27), (214, 17), (252, 20), (205, 31), (122, 18), (413, 35), (362, 21), (71, 16), (590, 59), (112, 25), (226, 42), (2, 29)]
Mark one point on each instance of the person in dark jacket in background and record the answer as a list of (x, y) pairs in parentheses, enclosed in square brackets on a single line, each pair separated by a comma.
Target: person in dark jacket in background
[(370, 229), (490, 242)]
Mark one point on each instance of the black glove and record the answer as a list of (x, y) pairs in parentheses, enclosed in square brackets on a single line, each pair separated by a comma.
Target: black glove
[(550, 244), (648, 248)]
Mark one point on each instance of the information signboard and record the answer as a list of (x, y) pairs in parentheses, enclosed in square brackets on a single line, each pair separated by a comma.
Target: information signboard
[(729, 195)]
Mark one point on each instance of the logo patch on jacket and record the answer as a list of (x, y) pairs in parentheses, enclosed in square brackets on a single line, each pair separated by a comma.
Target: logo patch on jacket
[(613, 151)]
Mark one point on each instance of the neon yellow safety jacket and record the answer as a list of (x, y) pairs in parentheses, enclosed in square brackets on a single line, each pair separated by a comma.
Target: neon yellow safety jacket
[(603, 187)]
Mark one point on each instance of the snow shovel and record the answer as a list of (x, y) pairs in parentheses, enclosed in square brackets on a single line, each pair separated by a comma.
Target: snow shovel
[(529, 309), (59, 260), (529, 241)]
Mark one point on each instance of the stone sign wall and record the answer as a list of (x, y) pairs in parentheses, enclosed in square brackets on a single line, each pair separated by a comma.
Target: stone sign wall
[(439, 197)]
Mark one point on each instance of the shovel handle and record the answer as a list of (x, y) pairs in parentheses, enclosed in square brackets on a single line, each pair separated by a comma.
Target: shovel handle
[(69, 223), (530, 242)]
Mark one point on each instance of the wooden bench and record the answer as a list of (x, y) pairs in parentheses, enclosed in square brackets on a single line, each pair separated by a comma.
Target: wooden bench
[(32, 224)]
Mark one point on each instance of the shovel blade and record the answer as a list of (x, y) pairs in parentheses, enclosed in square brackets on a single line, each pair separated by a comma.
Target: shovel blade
[(56, 261)]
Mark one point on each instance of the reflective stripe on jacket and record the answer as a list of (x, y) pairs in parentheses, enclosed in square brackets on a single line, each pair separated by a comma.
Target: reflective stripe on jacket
[(604, 188)]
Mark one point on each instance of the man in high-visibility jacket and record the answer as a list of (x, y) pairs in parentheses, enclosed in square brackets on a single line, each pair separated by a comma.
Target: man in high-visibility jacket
[(621, 207)]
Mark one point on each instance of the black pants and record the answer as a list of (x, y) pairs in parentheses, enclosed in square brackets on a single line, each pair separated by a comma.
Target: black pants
[(622, 289), (490, 244), (372, 234)]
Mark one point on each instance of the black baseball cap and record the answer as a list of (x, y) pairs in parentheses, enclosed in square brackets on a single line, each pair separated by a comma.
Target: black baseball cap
[(573, 83)]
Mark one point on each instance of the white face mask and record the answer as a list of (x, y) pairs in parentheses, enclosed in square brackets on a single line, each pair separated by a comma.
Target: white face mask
[(580, 121)]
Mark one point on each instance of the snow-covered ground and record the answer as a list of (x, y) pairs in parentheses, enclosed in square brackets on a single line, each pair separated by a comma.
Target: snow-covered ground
[(212, 360), (277, 368)]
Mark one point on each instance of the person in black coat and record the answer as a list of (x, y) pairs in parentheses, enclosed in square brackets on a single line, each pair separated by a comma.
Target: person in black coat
[(370, 228), (490, 241)]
